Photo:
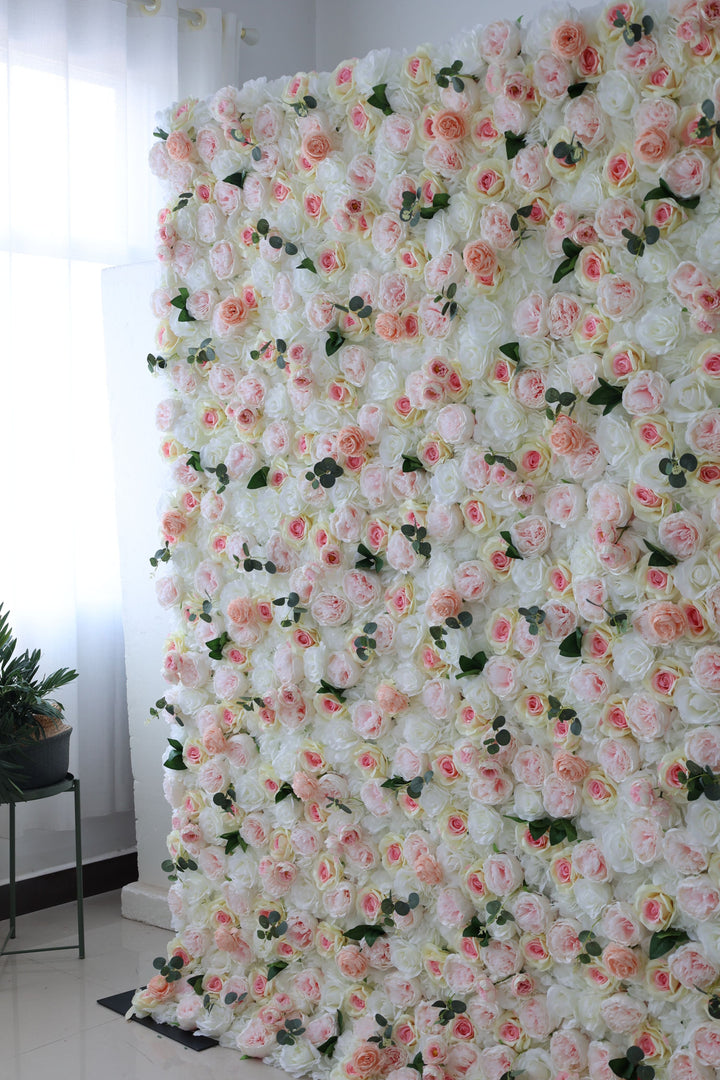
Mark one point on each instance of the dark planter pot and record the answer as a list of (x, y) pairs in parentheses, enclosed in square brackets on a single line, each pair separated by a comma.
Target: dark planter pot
[(41, 762)]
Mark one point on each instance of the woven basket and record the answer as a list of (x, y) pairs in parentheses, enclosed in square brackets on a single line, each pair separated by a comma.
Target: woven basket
[(43, 760)]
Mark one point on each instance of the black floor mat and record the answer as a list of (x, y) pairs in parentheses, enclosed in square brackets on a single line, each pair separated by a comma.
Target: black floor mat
[(120, 1003)]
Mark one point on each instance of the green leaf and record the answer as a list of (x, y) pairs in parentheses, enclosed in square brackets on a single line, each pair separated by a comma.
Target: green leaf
[(607, 395), (259, 479), (378, 99), (511, 349), (513, 144), (335, 341), (663, 941), (659, 556), (576, 89), (572, 644), (307, 264), (622, 1067), (237, 178), (233, 840), (365, 932), (285, 791), (276, 968)]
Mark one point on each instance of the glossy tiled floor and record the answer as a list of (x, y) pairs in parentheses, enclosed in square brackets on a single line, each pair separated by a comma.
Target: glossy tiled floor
[(51, 1024)]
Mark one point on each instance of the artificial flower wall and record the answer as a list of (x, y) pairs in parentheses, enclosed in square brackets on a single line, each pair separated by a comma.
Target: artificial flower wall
[(440, 340)]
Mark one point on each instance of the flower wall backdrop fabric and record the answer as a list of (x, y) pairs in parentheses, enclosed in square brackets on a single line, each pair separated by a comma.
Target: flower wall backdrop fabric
[(442, 420)]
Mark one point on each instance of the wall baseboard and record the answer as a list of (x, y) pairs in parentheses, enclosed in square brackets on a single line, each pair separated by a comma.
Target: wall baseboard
[(146, 903), (49, 890)]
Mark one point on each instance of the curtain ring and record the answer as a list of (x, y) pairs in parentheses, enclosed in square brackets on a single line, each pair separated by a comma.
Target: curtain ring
[(151, 7), (196, 17)]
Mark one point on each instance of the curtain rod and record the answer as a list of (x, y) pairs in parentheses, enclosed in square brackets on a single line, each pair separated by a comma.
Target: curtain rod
[(197, 19)]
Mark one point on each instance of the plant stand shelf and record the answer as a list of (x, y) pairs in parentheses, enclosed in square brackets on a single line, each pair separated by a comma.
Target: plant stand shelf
[(69, 783)]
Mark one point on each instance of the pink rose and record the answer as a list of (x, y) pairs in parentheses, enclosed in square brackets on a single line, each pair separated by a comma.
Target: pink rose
[(568, 41), (703, 433), (622, 1013), (681, 534), (531, 535), (552, 75), (471, 580), (564, 504), (503, 874), (659, 622), (648, 719), (586, 120), (614, 215), (564, 312), (560, 797), (530, 316), (706, 668), (691, 967), (687, 174), (563, 942), (698, 898), (645, 392), (609, 504), (619, 296), (705, 1042)]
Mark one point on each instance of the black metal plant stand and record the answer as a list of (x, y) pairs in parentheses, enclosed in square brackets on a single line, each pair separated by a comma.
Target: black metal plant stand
[(70, 783)]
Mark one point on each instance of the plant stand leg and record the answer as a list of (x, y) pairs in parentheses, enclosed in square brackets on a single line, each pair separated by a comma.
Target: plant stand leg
[(13, 901), (79, 871)]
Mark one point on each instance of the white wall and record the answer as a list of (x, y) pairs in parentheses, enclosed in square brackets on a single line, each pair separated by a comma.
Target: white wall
[(139, 480), (346, 28), (287, 36)]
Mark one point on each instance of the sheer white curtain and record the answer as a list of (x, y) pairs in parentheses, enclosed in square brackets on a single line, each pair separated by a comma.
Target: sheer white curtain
[(80, 82)]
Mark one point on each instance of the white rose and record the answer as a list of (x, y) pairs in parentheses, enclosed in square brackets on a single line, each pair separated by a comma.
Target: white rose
[(406, 956), (660, 328), (656, 262), (276, 405), (583, 559), (434, 801), (462, 213), (314, 661), (591, 897), (618, 849), (633, 658), (393, 445), (372, 69), (534, 673), (612, 438), (299, 1058), (529, 578), (507, 422), (528, 803), (686, 399), (616, 94), (588, 192), (693, 703), (708, 248), (215, 1022), (441, 235), (446, 484), (484, 322), (703, 822), (409, 679), (383, 382), (693, 576), (421, 732), (537, 353), (484, 824)]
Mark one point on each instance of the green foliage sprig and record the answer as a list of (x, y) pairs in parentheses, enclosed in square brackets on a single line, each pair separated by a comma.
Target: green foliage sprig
[(453, 75), (564, 714), (414, 787), (180, 302), (699, 780), (412, 211), (607, 395), (571, 250)]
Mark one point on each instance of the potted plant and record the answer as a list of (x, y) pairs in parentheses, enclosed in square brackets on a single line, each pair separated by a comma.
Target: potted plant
[(34, 739)]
